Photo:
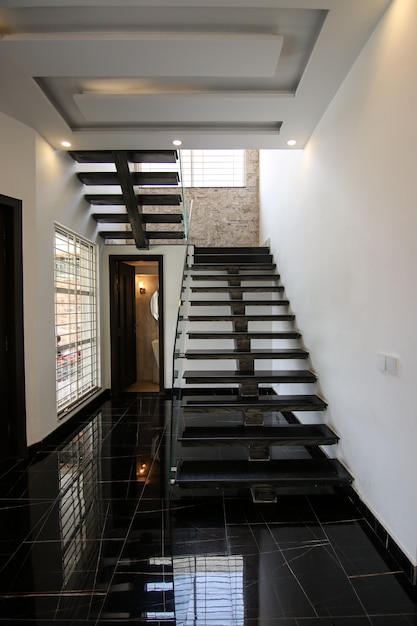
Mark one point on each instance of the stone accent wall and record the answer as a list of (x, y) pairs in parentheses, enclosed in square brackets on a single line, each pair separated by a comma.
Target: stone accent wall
[(227, 216), (221, 216)]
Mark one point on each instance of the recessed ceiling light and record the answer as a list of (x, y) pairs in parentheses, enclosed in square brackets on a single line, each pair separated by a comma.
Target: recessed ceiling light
[(177, 142), (291, 142), (66, 144)]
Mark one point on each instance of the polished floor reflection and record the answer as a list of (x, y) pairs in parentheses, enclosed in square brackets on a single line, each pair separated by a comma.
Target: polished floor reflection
[(88, 535)]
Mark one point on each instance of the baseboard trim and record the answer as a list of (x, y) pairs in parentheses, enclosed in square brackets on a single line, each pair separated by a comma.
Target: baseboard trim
[(382, 535), (64, 430)]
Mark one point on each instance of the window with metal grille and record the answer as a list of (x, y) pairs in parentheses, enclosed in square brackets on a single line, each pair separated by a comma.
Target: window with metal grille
[(77, 371), (206, 168), (213, 168)]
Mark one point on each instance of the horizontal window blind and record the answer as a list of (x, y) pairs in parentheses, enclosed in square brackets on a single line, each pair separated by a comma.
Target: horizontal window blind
[(75, 319), (213, 168), (206, 168)]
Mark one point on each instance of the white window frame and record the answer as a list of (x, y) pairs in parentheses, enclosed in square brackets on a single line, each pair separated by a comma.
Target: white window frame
[(206, 168), (76, 319), (213, 168)]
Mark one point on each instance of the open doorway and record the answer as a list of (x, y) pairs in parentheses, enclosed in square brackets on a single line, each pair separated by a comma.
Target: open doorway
[(136, 314)]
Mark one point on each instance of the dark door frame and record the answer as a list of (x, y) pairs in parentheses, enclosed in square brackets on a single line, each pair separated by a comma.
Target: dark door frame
[(15, 352), (114, 260), (126, 371)]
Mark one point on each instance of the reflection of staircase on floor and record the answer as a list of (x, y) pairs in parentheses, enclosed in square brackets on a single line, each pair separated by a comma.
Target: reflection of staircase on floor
[(236, 339)]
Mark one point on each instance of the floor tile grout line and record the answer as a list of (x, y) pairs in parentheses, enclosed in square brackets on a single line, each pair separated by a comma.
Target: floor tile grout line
[(25, 541), (98, 557), (124, 543), (288, 564), (339, 562)]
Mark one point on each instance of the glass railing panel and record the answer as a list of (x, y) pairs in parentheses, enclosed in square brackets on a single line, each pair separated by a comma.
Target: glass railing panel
[(183, 197), (179, 354)]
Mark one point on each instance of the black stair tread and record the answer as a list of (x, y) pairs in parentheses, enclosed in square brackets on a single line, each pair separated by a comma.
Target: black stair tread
[(116, 234), (155, 199), (111, 218), (232, 267), (147, 218), (265, 376), (245, 289), (285, 353), (241, 277), (245, 302), (249, 318), (275, 472), (233, 259), (256, 334), (162, 218), (230, 250), (133, 156), (263, 402), (138, 178), (127, 234), (165, 234), (284, 434)]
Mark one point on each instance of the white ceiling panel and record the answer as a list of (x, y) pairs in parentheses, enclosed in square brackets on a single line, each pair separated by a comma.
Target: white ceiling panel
[(146, 54), (219, 74), (179, 108)]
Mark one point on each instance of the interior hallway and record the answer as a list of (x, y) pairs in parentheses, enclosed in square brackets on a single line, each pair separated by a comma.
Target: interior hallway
[(87, 536)]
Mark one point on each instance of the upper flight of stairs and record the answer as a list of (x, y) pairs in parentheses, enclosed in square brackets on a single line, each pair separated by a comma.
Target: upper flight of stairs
[(242, 381), (146, 217)]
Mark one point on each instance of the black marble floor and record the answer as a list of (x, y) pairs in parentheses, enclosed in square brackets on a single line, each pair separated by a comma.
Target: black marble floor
[(88, 536)]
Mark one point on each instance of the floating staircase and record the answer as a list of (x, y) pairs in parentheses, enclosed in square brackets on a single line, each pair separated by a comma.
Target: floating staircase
[(160, 222), (242, 382)]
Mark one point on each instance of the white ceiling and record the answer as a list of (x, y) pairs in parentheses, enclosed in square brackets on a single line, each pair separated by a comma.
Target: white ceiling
[(133, 74)]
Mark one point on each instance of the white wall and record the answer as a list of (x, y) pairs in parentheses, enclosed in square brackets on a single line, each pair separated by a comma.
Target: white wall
[(44, 180), (342, 222)]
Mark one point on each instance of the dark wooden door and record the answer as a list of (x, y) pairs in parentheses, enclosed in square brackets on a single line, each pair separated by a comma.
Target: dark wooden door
[(127, 325), (12, 372), (4, 374)]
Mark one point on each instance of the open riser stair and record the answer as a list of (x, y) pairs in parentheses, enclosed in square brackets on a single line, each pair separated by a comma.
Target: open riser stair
[(126, 207), (242, 383)]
